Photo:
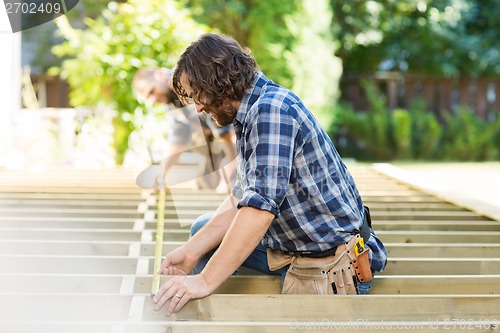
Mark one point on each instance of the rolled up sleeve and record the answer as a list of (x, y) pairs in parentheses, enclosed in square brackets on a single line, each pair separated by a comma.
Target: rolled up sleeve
[(255, 200)]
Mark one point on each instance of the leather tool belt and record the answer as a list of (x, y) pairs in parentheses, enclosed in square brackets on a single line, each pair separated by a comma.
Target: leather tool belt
[(338, 273)]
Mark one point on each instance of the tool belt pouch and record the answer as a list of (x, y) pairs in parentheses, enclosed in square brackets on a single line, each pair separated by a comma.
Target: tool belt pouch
[(276, 259), (362, 266), (330, 275)]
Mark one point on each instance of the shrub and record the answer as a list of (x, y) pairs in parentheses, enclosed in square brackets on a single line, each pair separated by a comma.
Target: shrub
[(402, 132), (426, 131), (468, 138)]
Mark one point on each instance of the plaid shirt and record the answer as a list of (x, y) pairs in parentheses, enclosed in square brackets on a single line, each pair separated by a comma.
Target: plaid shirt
[(288, 165)]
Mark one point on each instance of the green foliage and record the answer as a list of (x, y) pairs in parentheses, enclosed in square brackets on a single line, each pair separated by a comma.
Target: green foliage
[(371, 131), (101, 60), (467, 137), (41, 39), (290, 39), (443, 37), (261, 25), (316, 70), (402, 126), (426, 131), (380, 134), (380, 137)]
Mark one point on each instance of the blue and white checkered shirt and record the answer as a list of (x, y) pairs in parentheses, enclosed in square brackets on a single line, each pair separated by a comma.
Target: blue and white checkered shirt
[(288, 166)]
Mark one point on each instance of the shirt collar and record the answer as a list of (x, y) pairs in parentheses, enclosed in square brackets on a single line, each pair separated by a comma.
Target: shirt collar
[(251, 96)]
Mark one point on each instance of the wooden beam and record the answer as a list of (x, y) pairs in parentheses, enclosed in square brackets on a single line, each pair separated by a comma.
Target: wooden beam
[(37, 283), (427, 215), (286, 308), (436, 285), (448, 250), (76, 234), (61, 211), (442, 266), (68, 203), (66, 247), (69, 196), (50, 308), (439, 236), (437, 225), (104, 189), (21, 264), (67, 223)]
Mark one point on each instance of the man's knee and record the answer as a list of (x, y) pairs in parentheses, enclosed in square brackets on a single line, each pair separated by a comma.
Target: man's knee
[(199, 223)]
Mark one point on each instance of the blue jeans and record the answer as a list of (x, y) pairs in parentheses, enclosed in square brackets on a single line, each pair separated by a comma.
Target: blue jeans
[(257, 259)]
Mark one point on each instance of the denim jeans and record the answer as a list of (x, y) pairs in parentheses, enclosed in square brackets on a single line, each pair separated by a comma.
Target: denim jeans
[(256, 261)]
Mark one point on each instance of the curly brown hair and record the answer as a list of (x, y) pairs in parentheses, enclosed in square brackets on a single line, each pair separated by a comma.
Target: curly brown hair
[(218, 69)]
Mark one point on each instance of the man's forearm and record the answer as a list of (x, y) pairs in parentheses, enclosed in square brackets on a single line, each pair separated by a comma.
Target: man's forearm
[(211, 235), (243, 236)]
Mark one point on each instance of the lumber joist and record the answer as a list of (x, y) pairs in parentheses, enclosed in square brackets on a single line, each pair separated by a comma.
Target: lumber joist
[(338, 308), (77, 251), (133, 284)]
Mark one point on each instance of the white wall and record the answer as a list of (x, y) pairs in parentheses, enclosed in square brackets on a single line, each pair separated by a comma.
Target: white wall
[(10, 86)]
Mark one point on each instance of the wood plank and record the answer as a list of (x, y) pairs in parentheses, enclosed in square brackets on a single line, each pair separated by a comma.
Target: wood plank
[(67, 247), (442, 266), (38, 283), (426, 225), (68, 223), (276, 308), (62, 327), (439, 236), (22, 203), (90, 212), (20, 264), (362, 326), (70, 196), (448, 250), (49, 308), (77, 234), (427, 215), (105, 189), (436, 285)]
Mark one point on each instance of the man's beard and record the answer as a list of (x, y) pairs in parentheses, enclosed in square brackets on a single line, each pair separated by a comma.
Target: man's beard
[(223, 114)]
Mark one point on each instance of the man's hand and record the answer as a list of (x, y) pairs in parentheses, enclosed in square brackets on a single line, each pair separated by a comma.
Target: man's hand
[(178, 262), (179, 290)]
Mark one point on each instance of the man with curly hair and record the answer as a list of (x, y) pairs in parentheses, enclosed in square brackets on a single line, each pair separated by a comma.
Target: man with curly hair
[(294, 211)]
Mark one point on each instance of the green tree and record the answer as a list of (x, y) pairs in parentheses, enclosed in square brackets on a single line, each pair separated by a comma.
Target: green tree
[(260, 25), (444, 37), (290, 39), (101, 59)]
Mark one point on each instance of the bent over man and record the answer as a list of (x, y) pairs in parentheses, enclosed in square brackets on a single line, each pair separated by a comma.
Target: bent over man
[(294, 211)]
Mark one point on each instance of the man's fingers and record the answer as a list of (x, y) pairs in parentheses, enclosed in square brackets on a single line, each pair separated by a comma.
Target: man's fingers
[(164, 264), (177, 303), (163, 295)]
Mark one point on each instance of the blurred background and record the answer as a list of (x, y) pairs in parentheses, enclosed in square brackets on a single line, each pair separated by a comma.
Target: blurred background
[(390, 80)]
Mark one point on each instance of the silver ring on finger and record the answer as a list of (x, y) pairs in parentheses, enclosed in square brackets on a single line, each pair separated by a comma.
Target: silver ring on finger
[(178, 296)]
